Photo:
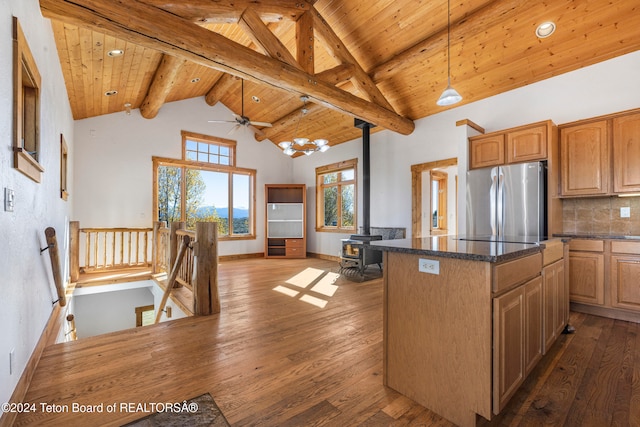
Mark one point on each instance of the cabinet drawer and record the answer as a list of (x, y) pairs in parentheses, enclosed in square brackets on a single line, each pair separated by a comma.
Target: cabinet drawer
[(293, 243), (511, 273), (552, 252), (586, 245), (625, 247), (294, 252)]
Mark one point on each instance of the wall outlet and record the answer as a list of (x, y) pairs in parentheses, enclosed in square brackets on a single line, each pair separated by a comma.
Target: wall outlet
[(12, 357), (625, 212), (429, 266)]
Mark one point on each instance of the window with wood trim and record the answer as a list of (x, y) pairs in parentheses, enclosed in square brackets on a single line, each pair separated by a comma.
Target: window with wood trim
[(146, 315), (64, 194), (336, 191), (208, 149), (26, 112), (439, 184), (195, 192)]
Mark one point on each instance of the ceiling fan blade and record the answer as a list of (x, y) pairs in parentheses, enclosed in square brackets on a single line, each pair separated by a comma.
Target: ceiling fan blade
[(221, 121), (234, 129), (263, 124)]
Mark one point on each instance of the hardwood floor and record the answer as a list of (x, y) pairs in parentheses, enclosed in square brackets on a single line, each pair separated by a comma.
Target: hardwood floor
[(271, 359)]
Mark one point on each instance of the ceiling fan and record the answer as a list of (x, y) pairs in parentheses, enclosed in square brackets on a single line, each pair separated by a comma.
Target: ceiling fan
[(242, 120)]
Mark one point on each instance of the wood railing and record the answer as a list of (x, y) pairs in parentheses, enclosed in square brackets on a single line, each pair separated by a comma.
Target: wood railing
[(95, 250), (102, 249)]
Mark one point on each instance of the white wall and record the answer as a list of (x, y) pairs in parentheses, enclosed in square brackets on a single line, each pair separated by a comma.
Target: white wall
[(603, 88), (105, 312), (26, 286), (113, 161)]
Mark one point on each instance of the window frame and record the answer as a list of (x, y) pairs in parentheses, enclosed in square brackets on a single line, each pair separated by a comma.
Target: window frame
[(320, 186), (26, 111), (210, 140), (212, 167)]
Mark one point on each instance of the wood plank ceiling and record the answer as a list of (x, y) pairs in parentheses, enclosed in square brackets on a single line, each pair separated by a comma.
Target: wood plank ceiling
[(382, 61)]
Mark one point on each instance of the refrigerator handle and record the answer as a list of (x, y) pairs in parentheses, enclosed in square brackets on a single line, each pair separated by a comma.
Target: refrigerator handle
[(492, 198), (500, 202)]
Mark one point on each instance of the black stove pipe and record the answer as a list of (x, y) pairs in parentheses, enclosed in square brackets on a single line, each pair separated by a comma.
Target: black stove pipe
[(366, 175)]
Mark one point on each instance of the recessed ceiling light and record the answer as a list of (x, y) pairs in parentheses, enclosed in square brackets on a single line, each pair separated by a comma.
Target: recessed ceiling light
[(111, 92), (255, 99), (115, 52), (195, 80), (545, 29)]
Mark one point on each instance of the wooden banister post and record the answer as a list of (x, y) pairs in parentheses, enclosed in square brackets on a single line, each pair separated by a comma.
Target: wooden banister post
[(52, 243), (206, 299), (172, 278), (155, 246), (174, 241), (74, 250)]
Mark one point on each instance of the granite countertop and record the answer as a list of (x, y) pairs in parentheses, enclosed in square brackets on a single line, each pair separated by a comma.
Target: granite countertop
[(452, 247), (596, 236)]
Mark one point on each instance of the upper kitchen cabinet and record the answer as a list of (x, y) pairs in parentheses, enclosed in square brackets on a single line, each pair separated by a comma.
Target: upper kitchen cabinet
[(516, 145), (626, 153), (601, 156), (584, 159)]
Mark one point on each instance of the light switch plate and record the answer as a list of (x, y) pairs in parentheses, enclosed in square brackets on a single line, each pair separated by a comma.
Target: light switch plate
[(429, 266), (9, 197), (625, 212)]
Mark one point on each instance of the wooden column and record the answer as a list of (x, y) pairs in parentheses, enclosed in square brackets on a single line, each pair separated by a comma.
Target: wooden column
[(205, 287), (50, 233), (74, 250)]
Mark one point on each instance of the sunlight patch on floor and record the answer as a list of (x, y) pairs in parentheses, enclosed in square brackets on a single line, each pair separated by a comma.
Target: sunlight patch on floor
[(320, 283), (305, 278), (313, 300), (286, 291)]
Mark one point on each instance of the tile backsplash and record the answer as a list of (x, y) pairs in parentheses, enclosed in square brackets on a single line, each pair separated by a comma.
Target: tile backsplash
[(601, 216)]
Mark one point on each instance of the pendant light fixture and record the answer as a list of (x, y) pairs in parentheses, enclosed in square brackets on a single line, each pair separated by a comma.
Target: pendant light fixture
[(305, 146), (450, 96)]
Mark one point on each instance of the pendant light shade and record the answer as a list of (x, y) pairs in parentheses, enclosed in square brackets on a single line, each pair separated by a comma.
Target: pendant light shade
[(450, 96)]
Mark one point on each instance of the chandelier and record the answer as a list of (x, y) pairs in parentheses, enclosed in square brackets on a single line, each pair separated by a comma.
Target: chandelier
[(303, 145)]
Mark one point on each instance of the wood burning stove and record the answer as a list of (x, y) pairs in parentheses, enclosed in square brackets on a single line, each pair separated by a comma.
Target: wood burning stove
[(357, 253)]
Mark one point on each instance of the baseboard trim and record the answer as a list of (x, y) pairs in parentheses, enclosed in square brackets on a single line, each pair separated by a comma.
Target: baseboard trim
[(240, 256), (323, 256), (611, 313)]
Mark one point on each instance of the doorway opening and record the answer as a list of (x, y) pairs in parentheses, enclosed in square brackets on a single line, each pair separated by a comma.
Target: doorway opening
[(434, 197)]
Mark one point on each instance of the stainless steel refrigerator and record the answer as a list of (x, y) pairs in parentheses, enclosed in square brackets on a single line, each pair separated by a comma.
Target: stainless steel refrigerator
[(507, 203)]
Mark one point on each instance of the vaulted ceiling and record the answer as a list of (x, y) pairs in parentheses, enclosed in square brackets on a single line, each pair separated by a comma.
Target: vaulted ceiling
[(382, 61)]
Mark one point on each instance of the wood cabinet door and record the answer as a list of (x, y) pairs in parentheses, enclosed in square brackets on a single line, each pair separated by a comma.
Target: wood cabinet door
[(555, 309), (625, 281), (533, 303), (586, 277), (584, 159), (486, 151), (527, 145), (508, 346), (626, 153)]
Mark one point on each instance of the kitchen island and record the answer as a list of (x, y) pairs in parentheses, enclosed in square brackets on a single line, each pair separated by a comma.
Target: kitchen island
[(464, 321)]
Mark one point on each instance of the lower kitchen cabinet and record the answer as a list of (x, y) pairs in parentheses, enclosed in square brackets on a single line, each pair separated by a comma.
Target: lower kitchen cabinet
[(517, 338), (625, 275), (586, 271), (556, 306)]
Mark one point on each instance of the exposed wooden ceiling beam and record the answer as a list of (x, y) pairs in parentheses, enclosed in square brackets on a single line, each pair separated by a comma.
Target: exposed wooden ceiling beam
[(253, 26), (287, 122), (337, 49), (305, 43), (220, 88), (161, 85), (158, 29), (229, 11)]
